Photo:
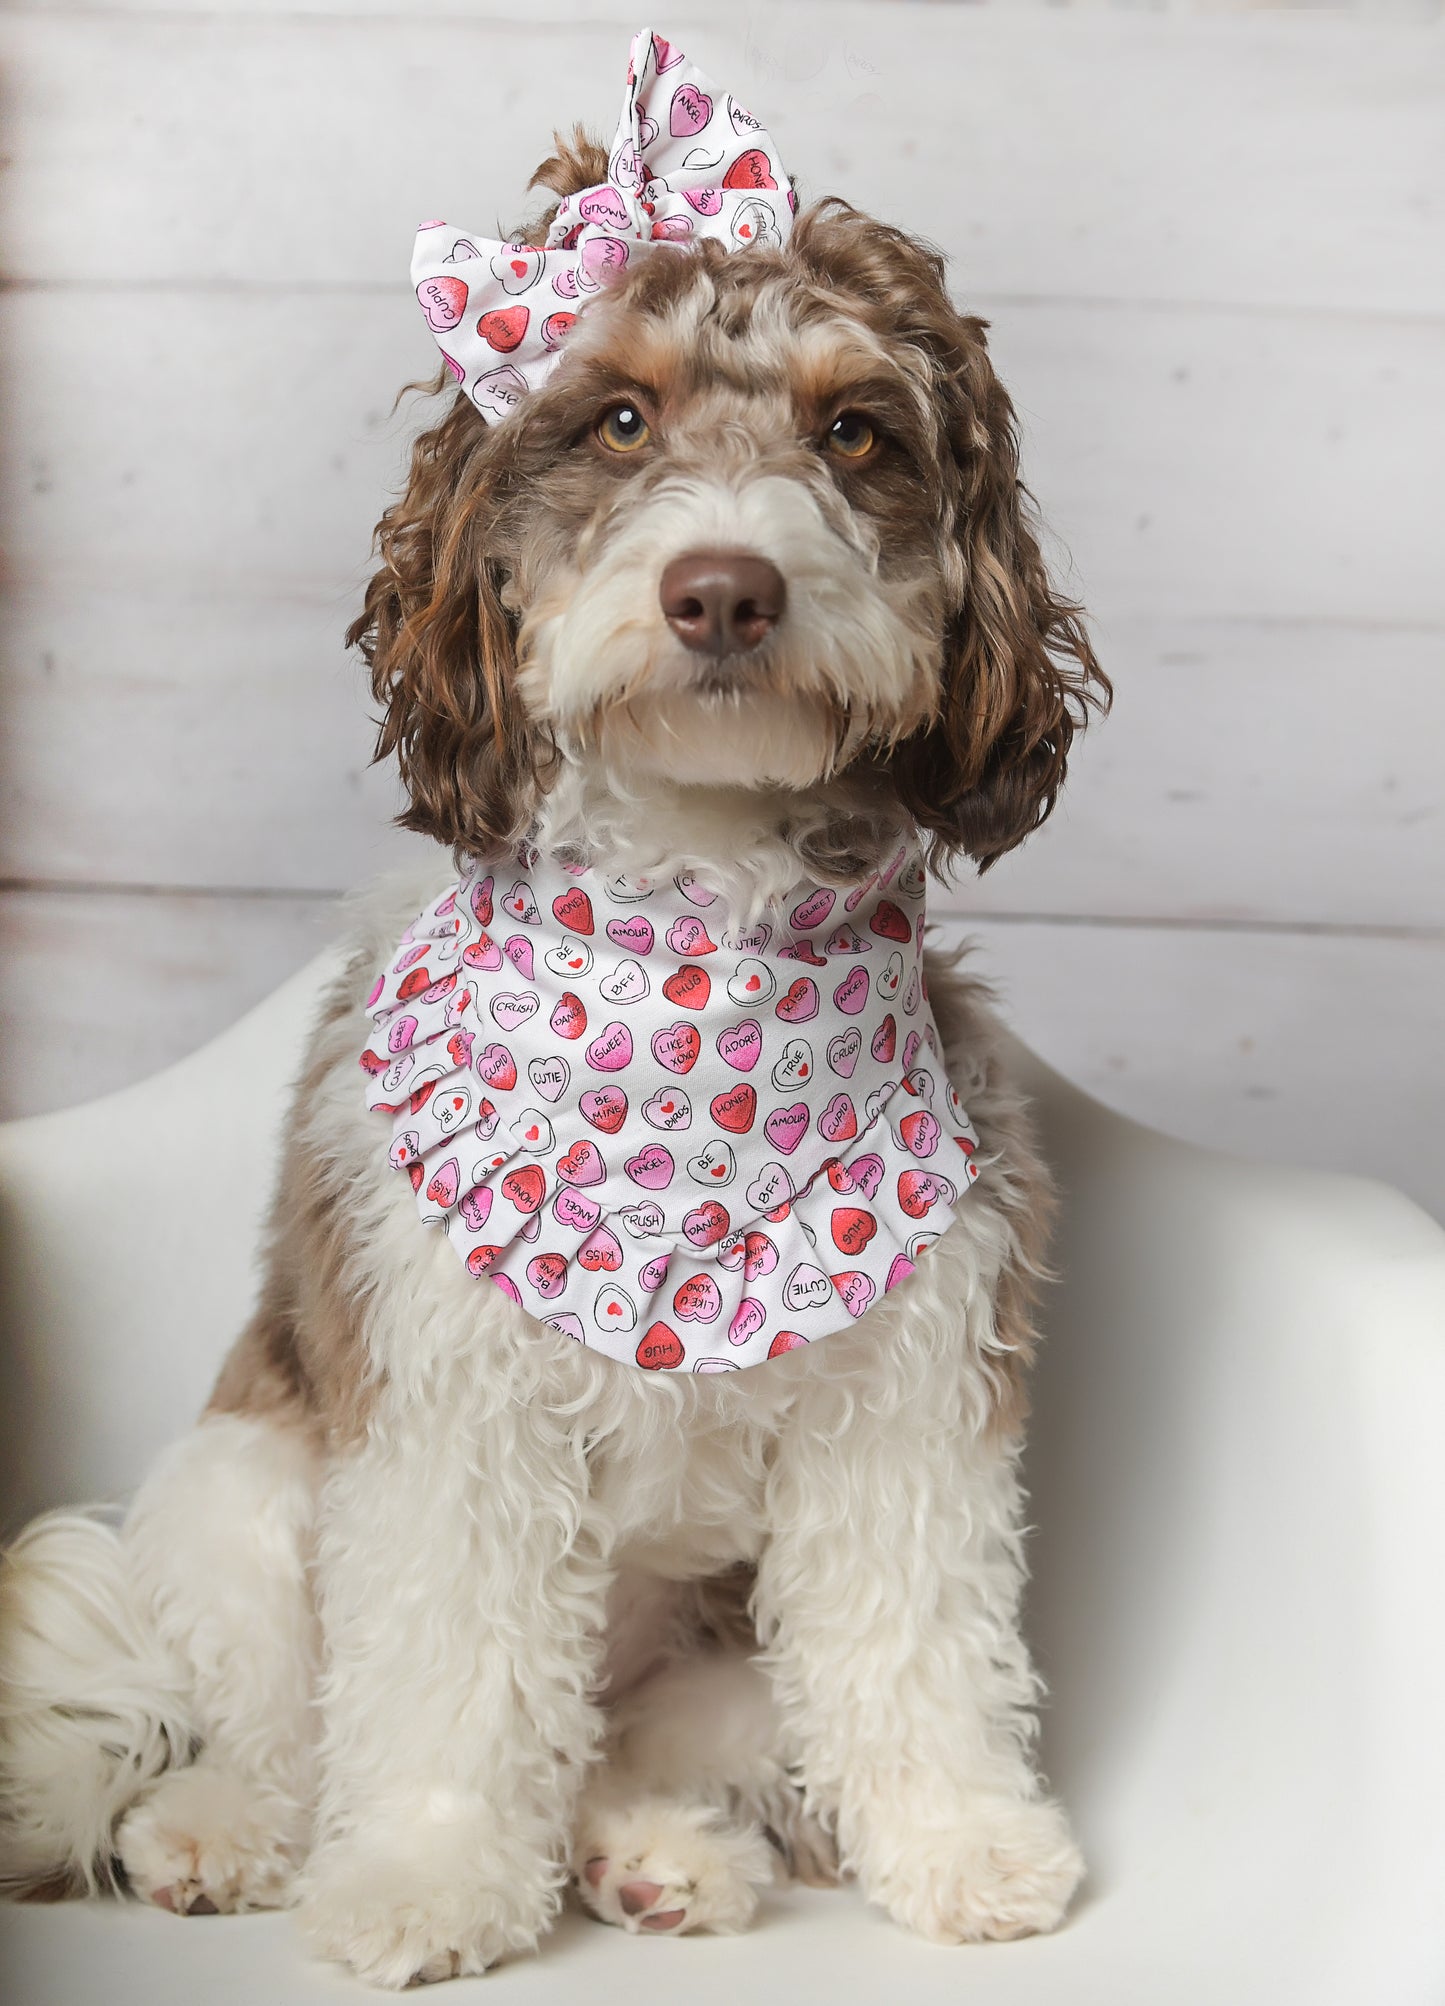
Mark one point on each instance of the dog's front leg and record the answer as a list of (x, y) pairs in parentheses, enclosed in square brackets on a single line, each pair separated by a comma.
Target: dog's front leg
[(461, 1590), (888, 1598)]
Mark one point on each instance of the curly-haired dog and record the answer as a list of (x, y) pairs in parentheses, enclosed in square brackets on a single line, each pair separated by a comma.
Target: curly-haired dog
[(438, 1608)]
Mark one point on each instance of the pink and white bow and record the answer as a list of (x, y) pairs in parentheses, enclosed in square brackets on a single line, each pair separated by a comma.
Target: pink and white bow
[(687, 162)]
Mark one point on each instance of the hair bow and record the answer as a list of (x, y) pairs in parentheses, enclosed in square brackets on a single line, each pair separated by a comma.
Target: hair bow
[(687, 162)]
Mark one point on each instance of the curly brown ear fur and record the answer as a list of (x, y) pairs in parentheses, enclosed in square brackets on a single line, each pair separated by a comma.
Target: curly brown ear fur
[(441, 648), (433, 629), (1019, 674)]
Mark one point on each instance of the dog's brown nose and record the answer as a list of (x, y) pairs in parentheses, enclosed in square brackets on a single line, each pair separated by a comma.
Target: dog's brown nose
[(719, 602)]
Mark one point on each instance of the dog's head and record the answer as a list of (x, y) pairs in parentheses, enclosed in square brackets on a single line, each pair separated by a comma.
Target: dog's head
[(763, 524)]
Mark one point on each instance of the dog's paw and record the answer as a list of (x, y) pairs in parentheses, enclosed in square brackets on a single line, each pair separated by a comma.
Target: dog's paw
[(658, 1867), (207, 1842), (413, 1917), (1007, 1869)]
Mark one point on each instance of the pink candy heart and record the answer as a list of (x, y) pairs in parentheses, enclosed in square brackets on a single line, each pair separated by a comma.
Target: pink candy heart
[(785, 1127), (688, 114), (652, 1167), (611, 1050), (741, 1045)]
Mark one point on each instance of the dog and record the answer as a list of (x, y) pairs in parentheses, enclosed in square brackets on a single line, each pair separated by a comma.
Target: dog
[(439, 1613)]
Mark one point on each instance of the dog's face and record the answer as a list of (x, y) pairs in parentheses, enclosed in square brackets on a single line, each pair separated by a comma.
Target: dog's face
[(762, 525), (726, 556)]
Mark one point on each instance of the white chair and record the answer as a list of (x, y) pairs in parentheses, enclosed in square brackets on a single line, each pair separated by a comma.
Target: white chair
[(1238, 1473)]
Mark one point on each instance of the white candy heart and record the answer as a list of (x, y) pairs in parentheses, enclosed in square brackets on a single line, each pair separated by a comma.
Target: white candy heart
[(668, 1109), (622, 891), (889, 976), (752, 981), (627, 983), (549, 1076), (520, 903), (807, 1287), (534, 1131), (572, 957), (714, 1166), (615, 1310), (770, 1188), (795, 1066)]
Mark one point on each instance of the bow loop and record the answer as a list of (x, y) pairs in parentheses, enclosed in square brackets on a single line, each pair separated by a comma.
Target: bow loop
[(687, 162)]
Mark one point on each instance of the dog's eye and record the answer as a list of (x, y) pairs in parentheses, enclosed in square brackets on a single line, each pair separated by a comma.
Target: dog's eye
[(851, 437), (623, 429)]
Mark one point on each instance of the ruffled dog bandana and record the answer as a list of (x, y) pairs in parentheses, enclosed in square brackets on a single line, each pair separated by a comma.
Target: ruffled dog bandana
[(687, 162), (689, 1145)]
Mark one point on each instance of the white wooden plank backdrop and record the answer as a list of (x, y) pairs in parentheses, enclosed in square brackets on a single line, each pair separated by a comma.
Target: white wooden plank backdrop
[(1211, 251)]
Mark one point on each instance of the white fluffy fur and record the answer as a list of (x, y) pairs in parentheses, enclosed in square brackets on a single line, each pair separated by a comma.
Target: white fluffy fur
[(439, 1669), (93, 1706), (466, 1555)]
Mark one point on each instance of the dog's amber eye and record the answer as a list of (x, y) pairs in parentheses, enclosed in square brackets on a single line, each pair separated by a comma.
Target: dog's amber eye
[(851, 437), (623, 429)]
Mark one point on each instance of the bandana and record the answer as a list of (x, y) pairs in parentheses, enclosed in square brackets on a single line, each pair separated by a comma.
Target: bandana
[(689, 1145), (687, 162)]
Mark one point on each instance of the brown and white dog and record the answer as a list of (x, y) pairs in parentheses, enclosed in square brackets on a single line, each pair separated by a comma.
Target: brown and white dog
[(436, 1608)]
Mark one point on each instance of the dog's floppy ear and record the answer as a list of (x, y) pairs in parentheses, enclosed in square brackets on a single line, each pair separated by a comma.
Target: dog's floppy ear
[(1018, 674), (441, 648)]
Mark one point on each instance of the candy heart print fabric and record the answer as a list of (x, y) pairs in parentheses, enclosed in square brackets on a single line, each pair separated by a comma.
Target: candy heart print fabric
[(689, 1144), (687, 162)]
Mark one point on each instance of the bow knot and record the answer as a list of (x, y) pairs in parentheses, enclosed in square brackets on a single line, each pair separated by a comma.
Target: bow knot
[(687, 162)]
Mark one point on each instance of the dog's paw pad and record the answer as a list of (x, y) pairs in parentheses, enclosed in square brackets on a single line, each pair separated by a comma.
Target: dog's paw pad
[(652, 1908), (656, 1908), (658, 1868), (205, 1842)]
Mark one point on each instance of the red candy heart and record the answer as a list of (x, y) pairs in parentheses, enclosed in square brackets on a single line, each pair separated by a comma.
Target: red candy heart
[(504, 327), (735, 1109), (526, 1188), (852, 1229), (660, 1349), (582, 1164), (750, 170), (801, 1002), (689, 988), (574, 910), (890, 922), (708, 1224), (569, 1016)]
